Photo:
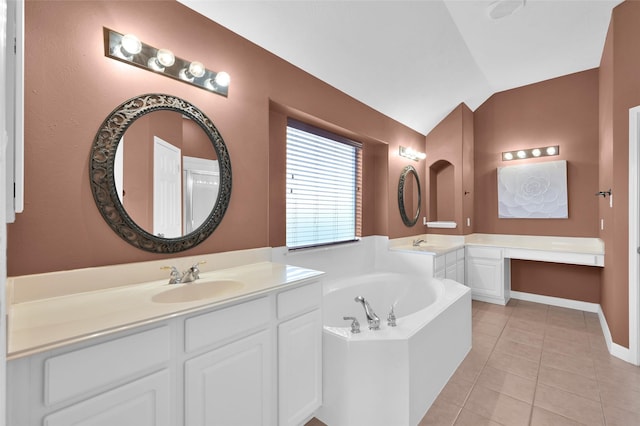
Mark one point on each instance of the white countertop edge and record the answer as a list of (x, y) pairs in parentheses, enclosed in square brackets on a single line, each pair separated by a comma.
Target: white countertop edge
[(44, 342)]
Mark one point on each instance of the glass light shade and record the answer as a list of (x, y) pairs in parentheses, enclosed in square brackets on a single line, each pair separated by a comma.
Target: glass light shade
[(197, 69), (508, 156), (222, 79), (131, 44), (551, 150), (521, 154), (536, 152), (165, 57)]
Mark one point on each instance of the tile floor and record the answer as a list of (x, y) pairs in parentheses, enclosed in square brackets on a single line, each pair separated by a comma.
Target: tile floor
[(534, 364)]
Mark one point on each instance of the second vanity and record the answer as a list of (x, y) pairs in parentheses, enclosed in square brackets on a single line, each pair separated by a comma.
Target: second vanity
[(483, 261), (139, 355)]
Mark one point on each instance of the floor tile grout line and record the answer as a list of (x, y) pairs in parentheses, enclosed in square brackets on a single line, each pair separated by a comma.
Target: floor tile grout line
[(484, 365)]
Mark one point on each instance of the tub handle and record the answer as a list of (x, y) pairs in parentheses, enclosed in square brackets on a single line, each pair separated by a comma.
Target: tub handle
[(391, 319), (355, 325)]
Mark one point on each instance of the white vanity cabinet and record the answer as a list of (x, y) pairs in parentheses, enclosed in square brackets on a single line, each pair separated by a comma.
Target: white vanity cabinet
[(450, 265), (124, 381), (299, 354), (256, 362), (486, 274), (232, 383)]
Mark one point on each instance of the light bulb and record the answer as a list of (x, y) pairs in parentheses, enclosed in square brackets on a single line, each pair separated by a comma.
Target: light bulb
[(165, 57), (196, 69), (508, 156), (551, 150), (521, 154), (222, 79), (130, 44), (536, 152)]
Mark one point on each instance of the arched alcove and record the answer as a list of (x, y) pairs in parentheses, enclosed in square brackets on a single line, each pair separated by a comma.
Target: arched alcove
[(441, 191)]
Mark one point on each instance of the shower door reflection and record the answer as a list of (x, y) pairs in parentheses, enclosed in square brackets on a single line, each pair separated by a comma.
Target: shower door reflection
[(201, 178)]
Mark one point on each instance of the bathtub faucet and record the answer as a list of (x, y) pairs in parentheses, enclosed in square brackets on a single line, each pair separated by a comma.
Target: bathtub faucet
[(372, 318)]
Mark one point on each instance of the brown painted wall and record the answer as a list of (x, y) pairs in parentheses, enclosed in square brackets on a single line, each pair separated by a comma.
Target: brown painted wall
[(71, 87), (449, 165), (561, 111), (619, 91), (574, 282)]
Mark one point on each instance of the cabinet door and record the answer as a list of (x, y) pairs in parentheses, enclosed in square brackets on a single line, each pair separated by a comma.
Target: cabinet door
[(452, 272), (439, 266), (299, 368), (144, 402), (484, 276), (460, 271), (231, 385)]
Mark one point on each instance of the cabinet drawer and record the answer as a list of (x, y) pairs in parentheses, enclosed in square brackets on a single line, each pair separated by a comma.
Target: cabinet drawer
[(438, 264), (81, 371), (207, 329), (299, 299), (485, 252), (144, 401)]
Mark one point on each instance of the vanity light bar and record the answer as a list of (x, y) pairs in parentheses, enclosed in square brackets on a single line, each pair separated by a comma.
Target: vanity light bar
[(411, 154), (129, 49), (523, 154)]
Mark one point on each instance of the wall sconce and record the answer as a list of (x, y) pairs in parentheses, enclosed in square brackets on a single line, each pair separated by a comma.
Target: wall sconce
[(523, 154), (412, 154), (129, 49)]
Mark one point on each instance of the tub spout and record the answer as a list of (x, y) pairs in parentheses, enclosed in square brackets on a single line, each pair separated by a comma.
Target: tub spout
[(372, 318)]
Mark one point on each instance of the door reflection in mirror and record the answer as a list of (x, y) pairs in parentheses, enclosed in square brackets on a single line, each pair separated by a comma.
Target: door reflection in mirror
[(165, 191)]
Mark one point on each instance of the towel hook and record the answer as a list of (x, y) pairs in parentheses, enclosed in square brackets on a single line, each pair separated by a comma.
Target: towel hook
[(604, 193)]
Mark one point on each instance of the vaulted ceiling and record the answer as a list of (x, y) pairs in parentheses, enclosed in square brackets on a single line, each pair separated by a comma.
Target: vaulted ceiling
[(415, 61)]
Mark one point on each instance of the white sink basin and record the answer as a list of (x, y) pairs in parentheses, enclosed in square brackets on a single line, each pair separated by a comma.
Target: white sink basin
[(179, 293)]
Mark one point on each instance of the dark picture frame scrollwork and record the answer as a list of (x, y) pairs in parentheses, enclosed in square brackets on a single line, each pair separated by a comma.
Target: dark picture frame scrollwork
[(406, 172), (103, 186)]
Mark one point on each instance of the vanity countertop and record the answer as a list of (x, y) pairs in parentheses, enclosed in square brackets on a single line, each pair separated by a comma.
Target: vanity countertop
[(41, 324), (572, 250), (433, 244), (535, 242)]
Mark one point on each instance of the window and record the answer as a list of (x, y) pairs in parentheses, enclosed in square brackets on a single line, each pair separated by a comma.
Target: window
[(323, 187)]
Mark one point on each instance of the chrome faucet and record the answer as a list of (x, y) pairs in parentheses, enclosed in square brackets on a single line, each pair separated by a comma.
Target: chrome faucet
[(174, 277), (372, 318), (190, 275), (416, 243)]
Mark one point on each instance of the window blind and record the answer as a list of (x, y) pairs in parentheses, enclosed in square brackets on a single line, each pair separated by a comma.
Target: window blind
[(323, 187)]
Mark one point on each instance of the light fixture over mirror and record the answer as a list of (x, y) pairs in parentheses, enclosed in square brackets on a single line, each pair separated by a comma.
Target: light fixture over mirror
[(411, 154), (129, 49), (523, 154)]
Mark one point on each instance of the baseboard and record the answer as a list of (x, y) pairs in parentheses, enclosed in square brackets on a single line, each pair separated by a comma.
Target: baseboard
[(614, 349), (557, 301)]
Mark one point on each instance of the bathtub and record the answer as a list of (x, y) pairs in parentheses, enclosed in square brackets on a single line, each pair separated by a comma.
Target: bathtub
[(391, 376)]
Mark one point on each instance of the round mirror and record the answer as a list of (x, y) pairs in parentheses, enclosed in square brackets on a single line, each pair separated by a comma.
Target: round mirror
[(160, 173), (409, 196)]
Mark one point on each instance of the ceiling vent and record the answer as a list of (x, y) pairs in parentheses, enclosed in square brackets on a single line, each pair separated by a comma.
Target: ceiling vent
[(502, 8)]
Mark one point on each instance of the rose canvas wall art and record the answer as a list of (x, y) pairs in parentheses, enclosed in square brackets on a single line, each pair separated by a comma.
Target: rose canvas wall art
[(533, 191)]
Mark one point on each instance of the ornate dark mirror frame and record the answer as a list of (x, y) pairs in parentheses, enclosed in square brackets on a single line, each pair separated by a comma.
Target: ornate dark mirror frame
[(406, 173), (103, 187)]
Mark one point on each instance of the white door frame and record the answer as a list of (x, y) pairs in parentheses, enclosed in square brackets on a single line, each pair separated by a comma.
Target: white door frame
[(634, 235), (4, 139)]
